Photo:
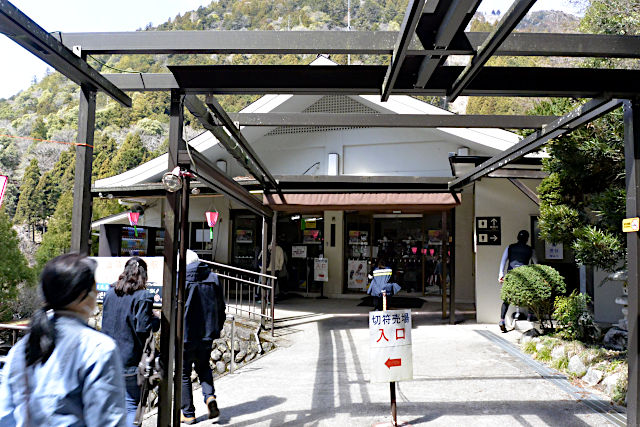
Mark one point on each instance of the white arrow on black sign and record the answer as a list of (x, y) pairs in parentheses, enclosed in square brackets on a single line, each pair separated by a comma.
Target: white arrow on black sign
[(494, 238)]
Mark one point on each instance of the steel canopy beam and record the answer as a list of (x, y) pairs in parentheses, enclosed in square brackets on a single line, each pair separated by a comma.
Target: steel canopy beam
[(452, 25), (391, 120), (342, 42), (407, 30), (509, 21), (222, 115), (367, 79), (209, 122), (24, 31), (220, 182), (565, 124)]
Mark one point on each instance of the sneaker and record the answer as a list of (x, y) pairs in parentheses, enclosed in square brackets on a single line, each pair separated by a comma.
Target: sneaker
[(503, 328), (212, 405), (187, 420)]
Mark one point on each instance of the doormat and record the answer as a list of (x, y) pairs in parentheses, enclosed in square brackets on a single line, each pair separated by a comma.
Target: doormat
[(394, 302)]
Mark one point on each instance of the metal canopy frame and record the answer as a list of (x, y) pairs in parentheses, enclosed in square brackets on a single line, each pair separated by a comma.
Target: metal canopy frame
[(391, 120), (432, 30), (24, 31), (342, 42)]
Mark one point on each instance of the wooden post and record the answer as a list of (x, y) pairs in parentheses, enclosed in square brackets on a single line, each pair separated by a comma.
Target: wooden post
[(452, 273), (171, 225), (632, 166), (82, 200), (263, 270), (274, 224)]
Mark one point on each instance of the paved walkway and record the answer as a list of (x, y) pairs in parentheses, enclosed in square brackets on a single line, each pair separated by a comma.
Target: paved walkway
[(462, 376)]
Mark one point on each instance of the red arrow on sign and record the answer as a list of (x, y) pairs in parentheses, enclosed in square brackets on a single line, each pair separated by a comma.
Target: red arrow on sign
[(393, 362)]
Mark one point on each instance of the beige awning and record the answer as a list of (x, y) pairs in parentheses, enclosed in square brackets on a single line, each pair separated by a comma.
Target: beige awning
[(406, 202)]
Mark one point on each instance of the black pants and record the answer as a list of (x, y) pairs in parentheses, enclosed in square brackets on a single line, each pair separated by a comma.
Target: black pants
[(196, 357), (377, 303), (503, 310)]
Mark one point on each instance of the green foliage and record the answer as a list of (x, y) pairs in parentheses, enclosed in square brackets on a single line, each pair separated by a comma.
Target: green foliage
[(530, 347), (572, 315), (57, 239), (596, 247), (14, 268), (535, 287), (131, 154), (561, 363), (29, 202), (557, 222)]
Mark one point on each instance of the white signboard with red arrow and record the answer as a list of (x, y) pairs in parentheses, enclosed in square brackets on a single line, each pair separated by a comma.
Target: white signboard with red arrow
[(390, 346)]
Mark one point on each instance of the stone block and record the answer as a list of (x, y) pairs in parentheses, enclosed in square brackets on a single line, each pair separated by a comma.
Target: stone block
[(241, 354), (593, 376), (216, 355), (226, 356), (615, 339), (611, 382), (221, 367), (558, 352), (576, 366)]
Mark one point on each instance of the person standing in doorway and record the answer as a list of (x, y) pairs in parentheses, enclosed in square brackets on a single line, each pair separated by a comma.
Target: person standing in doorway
[(515, 255), (204, 318), (382, 282), (127, 317)]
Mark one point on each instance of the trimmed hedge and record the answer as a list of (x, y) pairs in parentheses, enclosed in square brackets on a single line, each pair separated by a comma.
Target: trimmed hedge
[(535, 287)]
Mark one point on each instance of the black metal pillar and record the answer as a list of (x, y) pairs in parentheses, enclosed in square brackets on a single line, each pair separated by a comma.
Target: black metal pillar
[(443, 261), (274, 225), (82, 201), (171, 224), (632, 164), (263, 270), (452, 271), (182, 276)]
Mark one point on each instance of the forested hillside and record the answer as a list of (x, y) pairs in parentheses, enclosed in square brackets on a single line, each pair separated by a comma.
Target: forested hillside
[(41, 172)]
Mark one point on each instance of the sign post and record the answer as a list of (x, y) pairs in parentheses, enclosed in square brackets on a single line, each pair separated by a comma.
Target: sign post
[(390, 343)]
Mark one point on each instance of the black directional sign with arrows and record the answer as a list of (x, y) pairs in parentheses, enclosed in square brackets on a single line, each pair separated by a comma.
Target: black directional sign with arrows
[(488, 230)]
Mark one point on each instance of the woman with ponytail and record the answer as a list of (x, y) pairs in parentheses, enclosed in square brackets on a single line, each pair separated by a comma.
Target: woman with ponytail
[(63, 372), (127, 317)]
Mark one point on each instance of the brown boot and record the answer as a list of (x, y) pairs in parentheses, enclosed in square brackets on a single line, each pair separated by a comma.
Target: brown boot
[(212, 406)]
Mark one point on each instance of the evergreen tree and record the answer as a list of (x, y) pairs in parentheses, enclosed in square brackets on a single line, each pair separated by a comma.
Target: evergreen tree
[(39, 129), (57, 239), (131, 154), (29, 202), (14, 268)]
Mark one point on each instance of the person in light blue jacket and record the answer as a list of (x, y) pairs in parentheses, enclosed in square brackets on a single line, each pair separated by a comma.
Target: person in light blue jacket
[(382, 282), (64, 373)]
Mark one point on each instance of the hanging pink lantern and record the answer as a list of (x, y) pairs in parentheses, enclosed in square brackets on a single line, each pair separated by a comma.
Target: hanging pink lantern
[(432, 251), (133, 221), (212, 218), (414, 250), (424, 251)]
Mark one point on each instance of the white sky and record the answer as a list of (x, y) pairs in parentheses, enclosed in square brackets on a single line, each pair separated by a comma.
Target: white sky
[(19, 66)]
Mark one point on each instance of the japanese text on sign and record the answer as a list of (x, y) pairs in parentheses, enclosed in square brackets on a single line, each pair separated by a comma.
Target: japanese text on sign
[(390, 344)]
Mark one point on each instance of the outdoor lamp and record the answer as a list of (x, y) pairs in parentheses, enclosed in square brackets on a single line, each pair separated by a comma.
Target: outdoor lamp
[(172, 181)]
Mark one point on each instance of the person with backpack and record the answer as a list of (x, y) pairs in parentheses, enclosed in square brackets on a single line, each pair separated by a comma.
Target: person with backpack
[(204, 316), (127, 317), (382, 282), (63, 372), (515, 255)]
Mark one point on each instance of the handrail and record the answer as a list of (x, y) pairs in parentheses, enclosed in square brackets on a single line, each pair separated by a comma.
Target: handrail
[(244, 281), (239, 269)]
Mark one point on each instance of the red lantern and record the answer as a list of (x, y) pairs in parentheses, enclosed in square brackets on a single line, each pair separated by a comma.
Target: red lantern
[(212, 218), (414, 250), (133, 221), (424, 251), (432, 251)]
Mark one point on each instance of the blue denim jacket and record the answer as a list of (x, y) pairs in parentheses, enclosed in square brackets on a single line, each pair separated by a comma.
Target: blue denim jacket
[(81, 384)]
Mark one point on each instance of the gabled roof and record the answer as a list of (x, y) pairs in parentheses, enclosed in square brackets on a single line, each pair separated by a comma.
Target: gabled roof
[(489, 141)]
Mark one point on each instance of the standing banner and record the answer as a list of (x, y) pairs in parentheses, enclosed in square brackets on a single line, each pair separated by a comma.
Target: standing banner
[(321, 269), (390, 346), (108, 270), (357, 274)]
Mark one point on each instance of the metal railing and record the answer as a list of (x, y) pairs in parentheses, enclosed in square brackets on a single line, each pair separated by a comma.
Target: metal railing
[(247, 293)]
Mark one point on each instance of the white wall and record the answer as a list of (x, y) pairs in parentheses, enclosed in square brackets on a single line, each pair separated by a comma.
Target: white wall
[(497, 197), (463, 241), (407, 152)]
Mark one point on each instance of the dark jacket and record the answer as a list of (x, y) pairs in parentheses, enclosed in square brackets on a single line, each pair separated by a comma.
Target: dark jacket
[(204, 314), (129, 320), (519, 255)]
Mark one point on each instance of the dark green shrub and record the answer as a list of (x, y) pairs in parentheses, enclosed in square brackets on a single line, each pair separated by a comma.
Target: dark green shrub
[(573, 316), (535, 287)]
